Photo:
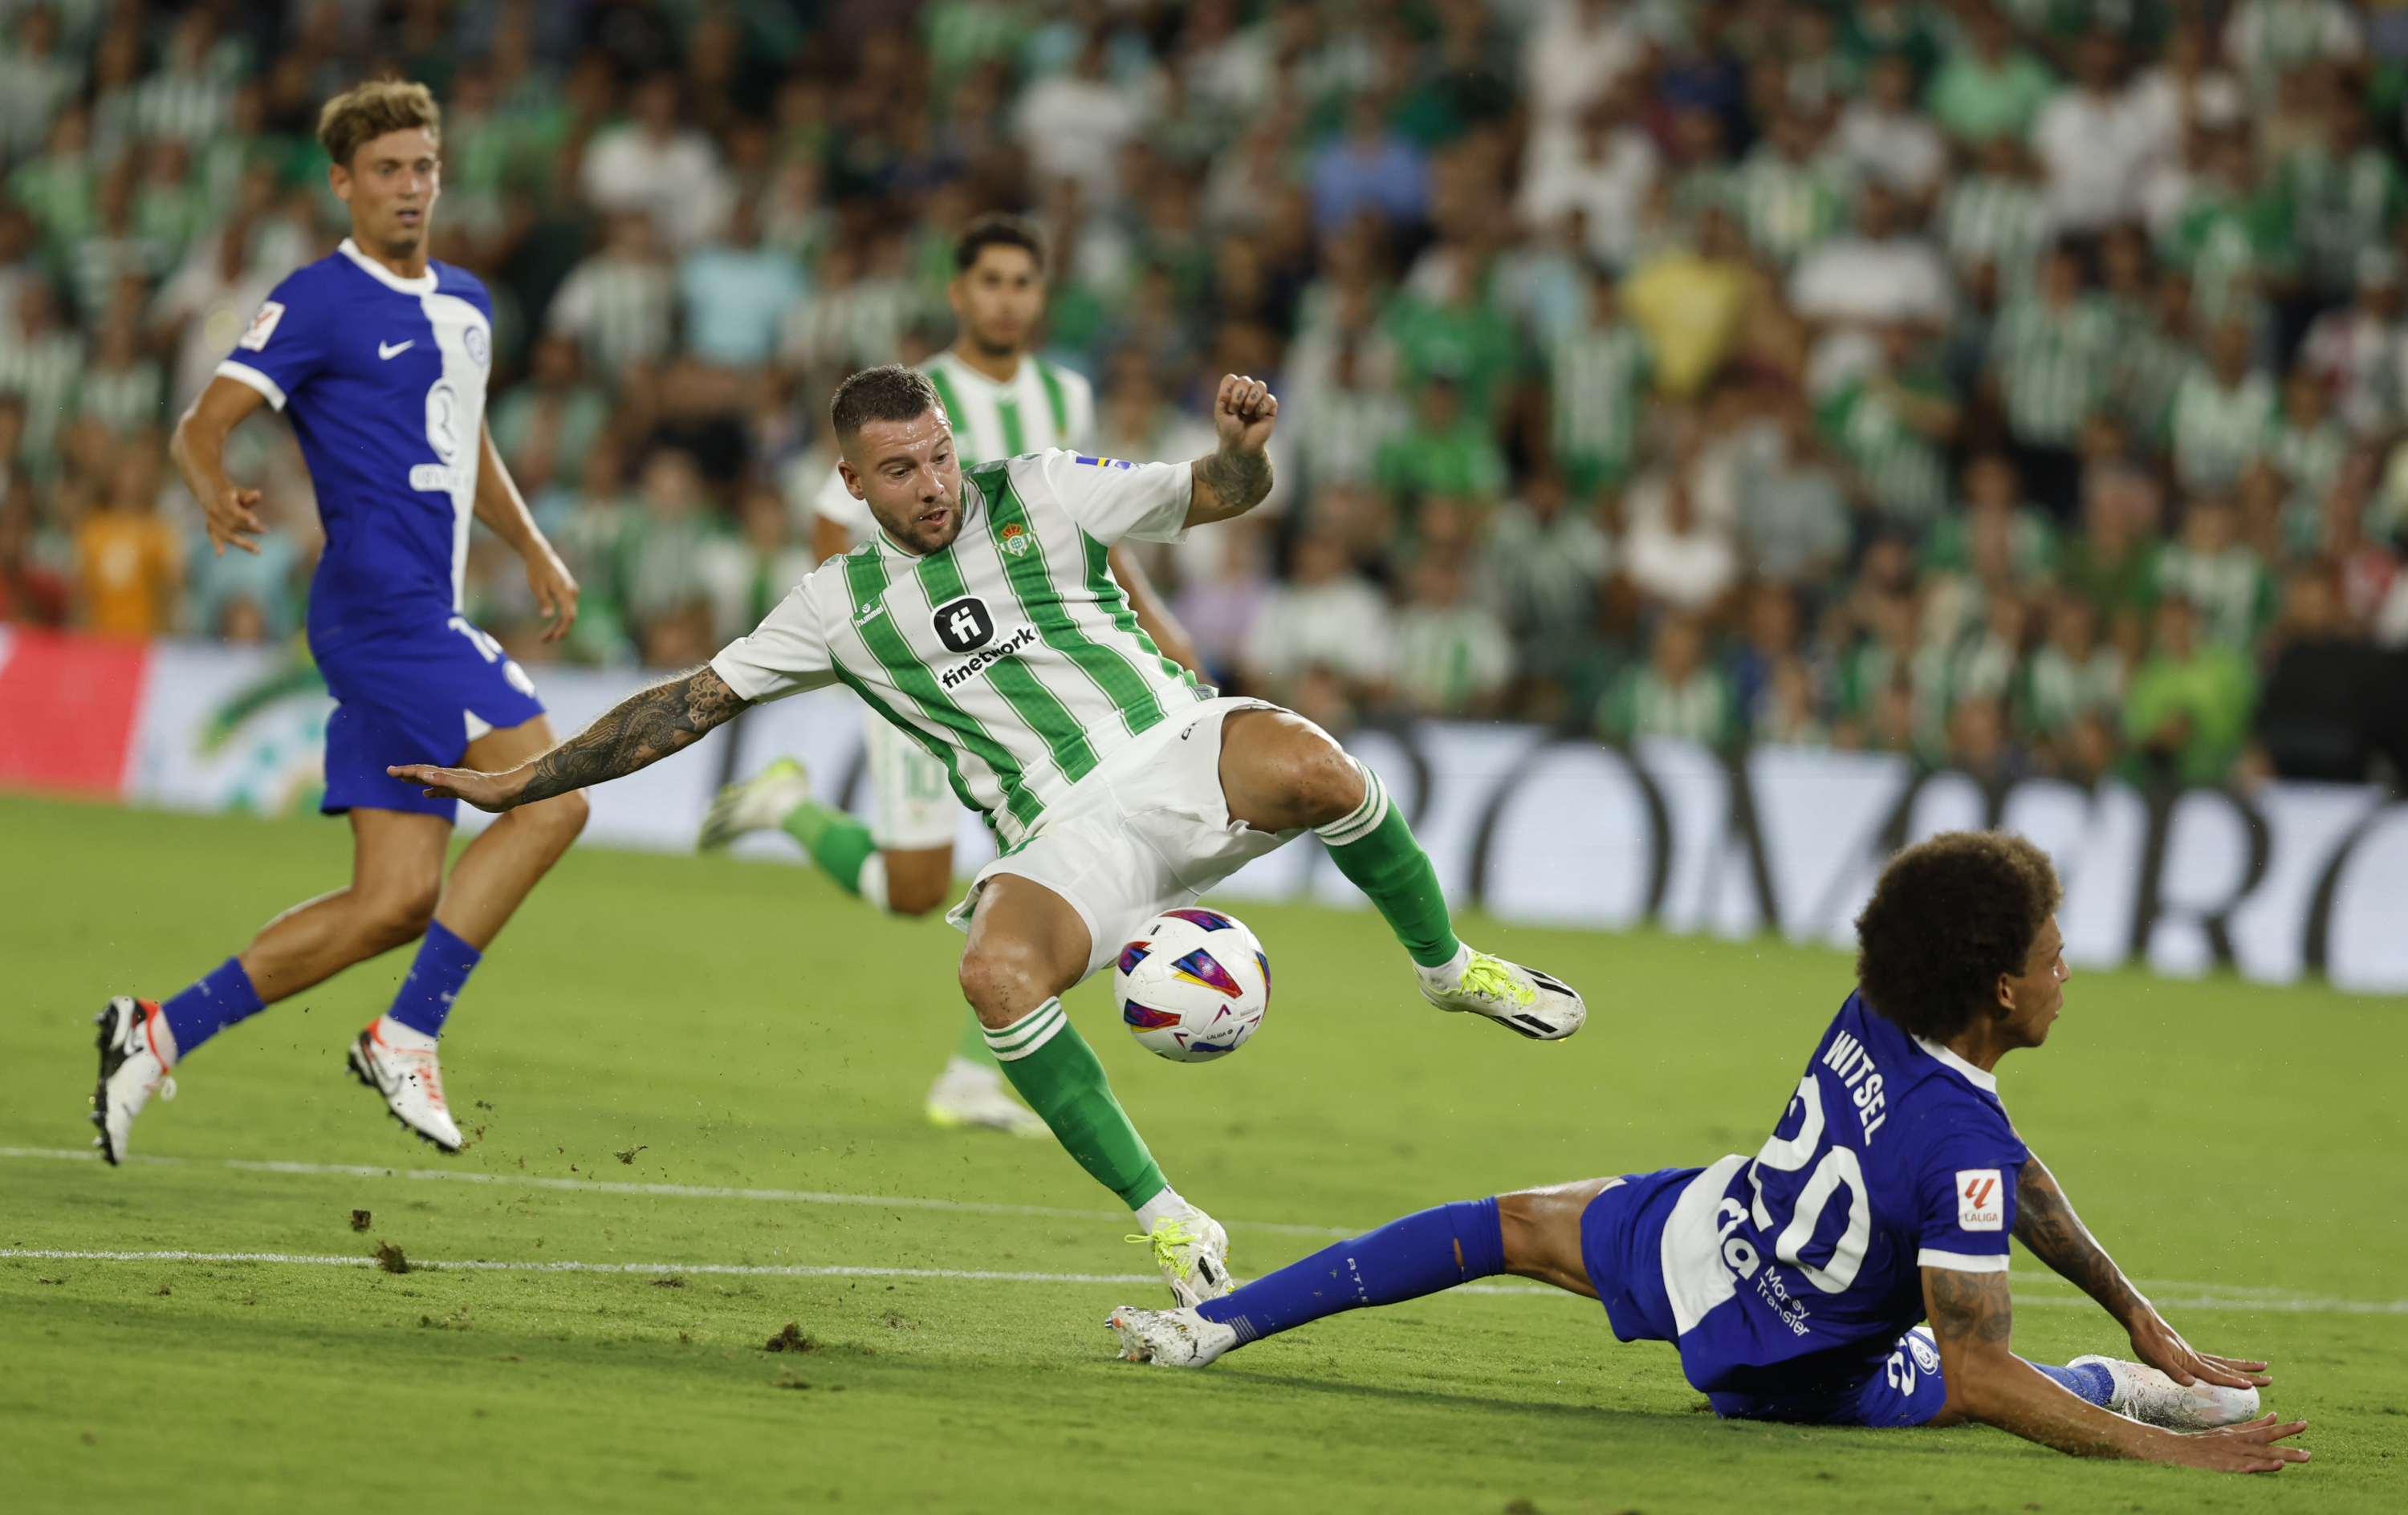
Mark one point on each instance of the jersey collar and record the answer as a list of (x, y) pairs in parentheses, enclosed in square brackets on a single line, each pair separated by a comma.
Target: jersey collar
[(962, 372), (1987, 1082), (423, 284)]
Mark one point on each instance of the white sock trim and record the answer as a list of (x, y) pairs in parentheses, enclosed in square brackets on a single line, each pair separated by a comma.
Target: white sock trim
[(1449, 973), (872, 881), (1166, 1205), (1363, 819), (1027, 1034)]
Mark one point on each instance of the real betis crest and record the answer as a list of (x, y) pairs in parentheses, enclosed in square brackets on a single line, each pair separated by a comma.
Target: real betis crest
[(1016, 539)]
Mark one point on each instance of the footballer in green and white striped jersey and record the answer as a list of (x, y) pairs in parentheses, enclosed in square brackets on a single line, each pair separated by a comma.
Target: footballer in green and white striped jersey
[(1011, 653), (1041, 405)]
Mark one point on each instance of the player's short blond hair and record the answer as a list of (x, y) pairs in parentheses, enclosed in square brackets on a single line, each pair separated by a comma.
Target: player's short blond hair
[(359, 116)]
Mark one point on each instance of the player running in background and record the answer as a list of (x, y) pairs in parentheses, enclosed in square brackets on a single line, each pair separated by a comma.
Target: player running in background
[(1003, 401), (1793, 1282), (981, 619), (380, 358)]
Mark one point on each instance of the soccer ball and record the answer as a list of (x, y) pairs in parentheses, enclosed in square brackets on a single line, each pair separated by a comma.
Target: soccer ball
[(1193, 986)]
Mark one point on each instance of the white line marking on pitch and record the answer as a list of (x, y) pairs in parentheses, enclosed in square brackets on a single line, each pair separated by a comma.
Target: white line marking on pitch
[(2301, 1304), (678, 1191), (2194, 1296)]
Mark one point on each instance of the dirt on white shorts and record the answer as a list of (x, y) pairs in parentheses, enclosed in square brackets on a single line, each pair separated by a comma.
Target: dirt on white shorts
[(1148, 831), (912, 803)]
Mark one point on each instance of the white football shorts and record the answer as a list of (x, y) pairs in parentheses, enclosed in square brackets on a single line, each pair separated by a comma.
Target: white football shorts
[(913, 804), (1148, 831)]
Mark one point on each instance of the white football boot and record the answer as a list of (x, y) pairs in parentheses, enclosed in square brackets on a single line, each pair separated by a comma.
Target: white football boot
[(1192, 1252), (970, 1094), (2145, 1394), (136, 1049), (1170, 1338), (756, 803), (1536, 1005), (399, 1063)]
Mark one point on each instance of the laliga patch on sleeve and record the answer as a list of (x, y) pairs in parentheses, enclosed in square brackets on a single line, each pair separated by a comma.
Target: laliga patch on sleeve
[(263, 327), (1981, 1200)]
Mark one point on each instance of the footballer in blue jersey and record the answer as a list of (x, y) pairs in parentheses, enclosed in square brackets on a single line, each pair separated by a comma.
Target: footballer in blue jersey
[(379, 357), (1853, 1270)]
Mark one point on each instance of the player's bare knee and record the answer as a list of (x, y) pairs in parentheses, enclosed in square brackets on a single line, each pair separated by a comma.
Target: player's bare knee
[(1327, 784), (398, 913), (911, 898), (1002, 982)]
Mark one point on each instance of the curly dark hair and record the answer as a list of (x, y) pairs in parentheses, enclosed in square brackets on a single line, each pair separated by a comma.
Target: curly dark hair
[(1949, 916)]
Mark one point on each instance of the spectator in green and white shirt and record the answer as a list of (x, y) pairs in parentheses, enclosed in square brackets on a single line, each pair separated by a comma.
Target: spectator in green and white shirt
[(1451, 656), (1893, 424), (2073, 674), (1675, 693), (2052, 354), (1787, 196), (2224, 413), (2221, 576), (2308, 448), (1996, 215), (2345, 196), (1598, 371)]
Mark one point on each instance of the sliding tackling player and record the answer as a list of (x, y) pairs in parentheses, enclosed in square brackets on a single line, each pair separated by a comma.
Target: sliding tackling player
[(1793, 1282), (1003, 400), (981, 619), (380, 357)]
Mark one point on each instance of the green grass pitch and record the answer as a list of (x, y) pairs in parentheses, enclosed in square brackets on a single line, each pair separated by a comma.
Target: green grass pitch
[(696, 1023)]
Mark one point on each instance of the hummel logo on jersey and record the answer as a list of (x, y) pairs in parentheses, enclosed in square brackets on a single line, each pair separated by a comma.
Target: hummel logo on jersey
[(391, 349), (1019, 640), (866, 617), (964, 625), (1980, 1203)]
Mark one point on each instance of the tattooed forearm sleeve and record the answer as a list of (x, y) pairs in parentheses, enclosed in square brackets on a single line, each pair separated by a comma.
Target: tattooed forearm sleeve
[(1970, 1307), (2047, 1224), (644, 728), (1237, 481)]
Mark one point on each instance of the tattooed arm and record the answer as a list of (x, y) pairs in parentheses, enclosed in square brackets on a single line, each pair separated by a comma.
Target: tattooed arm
[(2046, 1225), (1974, 1320), (642, 729), (1237, 477)]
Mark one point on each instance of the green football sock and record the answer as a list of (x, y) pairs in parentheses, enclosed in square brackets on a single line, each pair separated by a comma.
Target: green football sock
[(972, 1047), (1375, 850), (836, 841), (1055, 1071)]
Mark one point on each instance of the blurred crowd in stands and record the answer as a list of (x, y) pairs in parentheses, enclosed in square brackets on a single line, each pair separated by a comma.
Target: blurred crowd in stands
[(2019, 386)]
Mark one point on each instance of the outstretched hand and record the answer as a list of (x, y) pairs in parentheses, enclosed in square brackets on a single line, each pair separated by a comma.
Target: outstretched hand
[(2248, 1447), (495, 791), (2161, 1346), (1244, 412)]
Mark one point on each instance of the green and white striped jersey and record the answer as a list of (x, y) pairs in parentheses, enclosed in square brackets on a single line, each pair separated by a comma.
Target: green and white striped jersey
[(1042, 407), (1011, 655)]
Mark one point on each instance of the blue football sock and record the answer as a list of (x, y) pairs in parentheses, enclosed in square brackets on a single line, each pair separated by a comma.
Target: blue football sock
[(222, 996), (444, 962), (2091, 1380), (1421, 1254)]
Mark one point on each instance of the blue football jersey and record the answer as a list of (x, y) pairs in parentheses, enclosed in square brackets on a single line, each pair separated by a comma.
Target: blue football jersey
[(1797, 1265), (384, 380)]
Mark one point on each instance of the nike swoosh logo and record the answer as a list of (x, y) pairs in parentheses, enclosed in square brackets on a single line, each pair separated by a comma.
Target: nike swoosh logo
[(387, 351)]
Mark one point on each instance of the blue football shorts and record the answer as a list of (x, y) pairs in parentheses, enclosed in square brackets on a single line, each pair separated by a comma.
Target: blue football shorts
[(417, 697), (1621, 1240)]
